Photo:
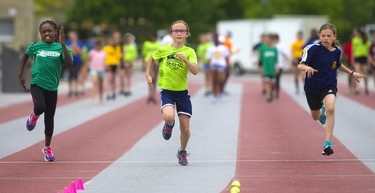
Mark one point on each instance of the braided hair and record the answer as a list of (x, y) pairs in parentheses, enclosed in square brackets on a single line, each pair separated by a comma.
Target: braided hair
[(53, 24)]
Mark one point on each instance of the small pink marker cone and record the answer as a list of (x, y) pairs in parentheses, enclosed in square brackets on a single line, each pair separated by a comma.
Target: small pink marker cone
[(72, 188), (66, 190), (80, 184)]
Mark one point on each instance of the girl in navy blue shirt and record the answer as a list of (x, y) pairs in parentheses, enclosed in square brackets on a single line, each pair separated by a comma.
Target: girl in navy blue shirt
[(320, 63)]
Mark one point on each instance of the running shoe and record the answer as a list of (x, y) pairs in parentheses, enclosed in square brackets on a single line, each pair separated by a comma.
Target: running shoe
[(151, 100), (167, 131), (48, 155), (323, 117), (182, 157), (328, 150), (31, 122)]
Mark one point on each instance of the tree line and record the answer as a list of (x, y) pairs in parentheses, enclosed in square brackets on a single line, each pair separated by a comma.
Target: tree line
[(143, 16)]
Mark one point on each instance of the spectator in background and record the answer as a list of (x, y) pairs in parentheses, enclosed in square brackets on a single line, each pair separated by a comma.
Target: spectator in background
[(296, 48), (218, 58), (112, 62), (372, 56), (76, 46), (130, 54), (361, 46), (255, 53), (148, 48), (348, 57), (282, 59), (116, 35), (204, 44), (96, 62), (268, 56), (313, 39), (166, 39)]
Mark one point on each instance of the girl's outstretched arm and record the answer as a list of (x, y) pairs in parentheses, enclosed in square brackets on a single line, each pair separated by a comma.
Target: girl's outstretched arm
[(22, 68), (355, 75), (149, 65), (68, 59)]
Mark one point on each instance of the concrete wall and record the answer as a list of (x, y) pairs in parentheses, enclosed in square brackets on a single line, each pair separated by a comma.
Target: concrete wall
[(21, 12)]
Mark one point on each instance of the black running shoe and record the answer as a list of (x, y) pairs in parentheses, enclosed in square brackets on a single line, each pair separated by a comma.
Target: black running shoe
[(327, 148), (167, 131)]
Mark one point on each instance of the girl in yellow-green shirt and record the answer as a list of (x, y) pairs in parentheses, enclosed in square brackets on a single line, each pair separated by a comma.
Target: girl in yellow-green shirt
[(360, 46), (176, 60), (129, 56)]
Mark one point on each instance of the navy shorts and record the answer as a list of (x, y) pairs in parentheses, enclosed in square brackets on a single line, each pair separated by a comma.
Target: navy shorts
[(179, 98), (315, 101)]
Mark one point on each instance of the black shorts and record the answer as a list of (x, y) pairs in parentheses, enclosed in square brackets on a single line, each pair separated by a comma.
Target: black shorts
[(73, 72), (361, 60), (315, 101), (112, 69)]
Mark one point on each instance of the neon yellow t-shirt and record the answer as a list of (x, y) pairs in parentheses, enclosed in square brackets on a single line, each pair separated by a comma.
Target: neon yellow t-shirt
[(360, 49), (148, 48), (130, 53), (201, 51), (173, 72)]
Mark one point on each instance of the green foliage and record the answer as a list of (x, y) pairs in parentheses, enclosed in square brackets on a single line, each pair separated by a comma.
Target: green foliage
[(142, 16)]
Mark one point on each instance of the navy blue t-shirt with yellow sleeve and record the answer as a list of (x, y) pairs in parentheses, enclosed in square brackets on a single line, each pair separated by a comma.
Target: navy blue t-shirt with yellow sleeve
[(326, 62)]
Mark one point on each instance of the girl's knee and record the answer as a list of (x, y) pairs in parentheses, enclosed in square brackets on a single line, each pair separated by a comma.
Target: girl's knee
[(185, 130), (330, 109), (39, 109), (169, 118)]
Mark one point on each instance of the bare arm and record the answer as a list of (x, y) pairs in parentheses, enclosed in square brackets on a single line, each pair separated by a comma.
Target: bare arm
[(68, 59), (309, 71), (22, 68), (150, 62), (193, 68), (355, 75)]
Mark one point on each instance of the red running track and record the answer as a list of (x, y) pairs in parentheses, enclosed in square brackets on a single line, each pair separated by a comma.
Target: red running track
[(279, 156), (81, 152)]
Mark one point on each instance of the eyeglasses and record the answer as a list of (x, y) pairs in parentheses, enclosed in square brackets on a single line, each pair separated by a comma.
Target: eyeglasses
[(182, 31)]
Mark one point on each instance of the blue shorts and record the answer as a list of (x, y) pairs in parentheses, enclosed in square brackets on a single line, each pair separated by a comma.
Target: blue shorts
[(220, 68), (206, 66), (179, 98)]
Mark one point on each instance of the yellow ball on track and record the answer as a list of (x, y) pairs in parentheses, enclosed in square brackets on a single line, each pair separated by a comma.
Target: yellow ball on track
[(236, 183), (235, 190)]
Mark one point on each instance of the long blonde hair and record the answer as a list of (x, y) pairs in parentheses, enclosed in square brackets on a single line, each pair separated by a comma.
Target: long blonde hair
[(333, 29)]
